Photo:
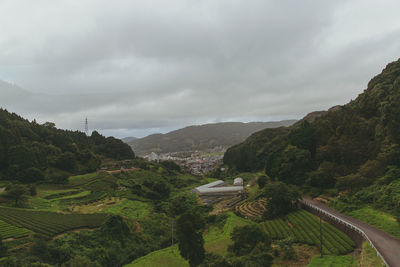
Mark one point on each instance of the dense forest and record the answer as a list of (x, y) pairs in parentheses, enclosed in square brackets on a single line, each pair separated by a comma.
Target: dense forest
[(349, 148), (30, 152)]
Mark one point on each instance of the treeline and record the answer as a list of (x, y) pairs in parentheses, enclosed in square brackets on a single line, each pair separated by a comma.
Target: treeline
[(29, 151), (348, 148)]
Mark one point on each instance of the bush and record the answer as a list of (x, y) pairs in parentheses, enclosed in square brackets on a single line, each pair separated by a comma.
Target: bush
[(261, 181), (245, 239), (32, 190)]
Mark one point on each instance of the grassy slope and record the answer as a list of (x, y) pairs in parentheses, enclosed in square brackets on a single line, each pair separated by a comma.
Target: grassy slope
[(216, 241), (167, 257), (378, 219), (129, 208), (332, 261), (82, 179), (369, 258)]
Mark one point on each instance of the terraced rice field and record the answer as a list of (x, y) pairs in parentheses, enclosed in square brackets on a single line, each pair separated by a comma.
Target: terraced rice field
[(304, 228), (10, 231), (48, 224), (82, 198), (252, 209)]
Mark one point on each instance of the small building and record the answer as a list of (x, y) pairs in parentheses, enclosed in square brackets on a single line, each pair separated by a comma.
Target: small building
[(218, 188), (238, 181), (153, 157)]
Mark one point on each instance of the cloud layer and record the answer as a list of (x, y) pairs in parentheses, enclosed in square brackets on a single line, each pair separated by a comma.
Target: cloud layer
[(136, 67)]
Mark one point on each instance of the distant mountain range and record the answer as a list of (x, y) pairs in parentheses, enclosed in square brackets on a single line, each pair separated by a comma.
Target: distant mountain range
[(200, 137), (129, 139)]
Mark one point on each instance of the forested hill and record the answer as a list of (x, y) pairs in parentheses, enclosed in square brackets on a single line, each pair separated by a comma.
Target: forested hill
[(348, 147), (201, 137), (30, 152)]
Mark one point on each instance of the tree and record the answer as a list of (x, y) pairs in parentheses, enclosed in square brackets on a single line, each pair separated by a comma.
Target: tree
[(291, 165), (214, 260), (17, 192), (259, 256), (189, 231), (245, 239), (170, 165), (261, 181), (181, 204), (32, 190), (281, 199), (31, 175), (67, 162), (351, 182), (286, 246), (392, 174), (323, 177)]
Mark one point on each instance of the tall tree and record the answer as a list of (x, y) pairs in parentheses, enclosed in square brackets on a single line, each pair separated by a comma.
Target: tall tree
[(281, 199), (17, 193), (189, 231)]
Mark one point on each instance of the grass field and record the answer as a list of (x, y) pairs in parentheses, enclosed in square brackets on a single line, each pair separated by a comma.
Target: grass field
[(333, 261), (49, 193), (218, 239), (10, 231), (369, 258), (48, 224), (304, 228), (168, 257), (378, 219), (129, 208), (77, 195), (82, 179)]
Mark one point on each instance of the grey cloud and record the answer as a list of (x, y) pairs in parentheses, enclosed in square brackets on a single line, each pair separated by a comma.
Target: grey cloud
[(143, 66)]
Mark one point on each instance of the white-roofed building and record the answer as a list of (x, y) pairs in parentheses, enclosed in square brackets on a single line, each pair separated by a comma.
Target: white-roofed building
[(238, 181), (218, 188)]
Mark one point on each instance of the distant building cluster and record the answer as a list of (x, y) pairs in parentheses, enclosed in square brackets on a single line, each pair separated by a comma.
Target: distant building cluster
[(195, 162)]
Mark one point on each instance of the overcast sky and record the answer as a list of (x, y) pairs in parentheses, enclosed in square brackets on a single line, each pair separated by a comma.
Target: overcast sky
[(139, 67)]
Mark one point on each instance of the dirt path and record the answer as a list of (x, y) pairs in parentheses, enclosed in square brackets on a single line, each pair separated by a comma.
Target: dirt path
[(387, 245)]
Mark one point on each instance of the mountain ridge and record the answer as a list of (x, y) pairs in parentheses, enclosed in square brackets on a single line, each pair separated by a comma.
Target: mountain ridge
[(200, 137)]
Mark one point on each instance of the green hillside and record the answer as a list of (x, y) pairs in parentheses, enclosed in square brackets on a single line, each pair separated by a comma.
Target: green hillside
[(30, 151), (348, 148), (201, 137)]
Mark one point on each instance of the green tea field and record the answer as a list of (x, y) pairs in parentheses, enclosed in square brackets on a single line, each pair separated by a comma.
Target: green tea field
[(48, 224), (304, 228)]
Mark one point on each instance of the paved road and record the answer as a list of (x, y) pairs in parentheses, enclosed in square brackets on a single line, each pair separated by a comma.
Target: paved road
[(387, 245)]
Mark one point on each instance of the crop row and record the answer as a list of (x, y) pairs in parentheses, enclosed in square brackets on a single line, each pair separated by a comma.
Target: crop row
[(304, 228), (336, 241), (92, 197), (49, 224), (10, 231), (252, 209)]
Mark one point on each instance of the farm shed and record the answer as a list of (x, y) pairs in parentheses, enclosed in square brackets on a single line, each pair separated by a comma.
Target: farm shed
[(217, 188), (238, 181)]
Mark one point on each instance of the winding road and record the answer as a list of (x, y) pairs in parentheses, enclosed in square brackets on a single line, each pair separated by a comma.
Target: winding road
[(387, 245)]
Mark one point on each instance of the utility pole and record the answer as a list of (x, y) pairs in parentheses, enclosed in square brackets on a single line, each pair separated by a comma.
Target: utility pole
[(320, 233), (172, 232)]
